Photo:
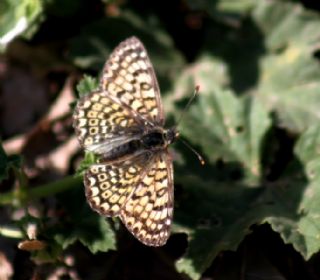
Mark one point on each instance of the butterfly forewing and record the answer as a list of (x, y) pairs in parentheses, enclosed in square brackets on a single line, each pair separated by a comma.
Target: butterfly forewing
[(133, 179), (98, 119), (129, 77)]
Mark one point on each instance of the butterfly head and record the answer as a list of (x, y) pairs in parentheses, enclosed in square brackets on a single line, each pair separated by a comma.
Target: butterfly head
[(171, 135)]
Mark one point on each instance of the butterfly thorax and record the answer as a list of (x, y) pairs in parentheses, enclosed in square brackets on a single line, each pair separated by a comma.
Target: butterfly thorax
[(159, 138), (152, 140)]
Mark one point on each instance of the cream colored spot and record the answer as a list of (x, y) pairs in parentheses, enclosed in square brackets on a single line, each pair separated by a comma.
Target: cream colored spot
[(93, 130), (115, 208), (95, 97), (150, 104), (97, 107), (104, 185), (93, 122), (114, 66), (136, 104), (144, 215), (124, 64), (163, 214), (86, 104), (127, 86), (132, 169), (82, 122), (129, 77), (102, 177), (119, 80), (128, 58), (112, 88), (121, 191), (129, 207), (95, 200), (115, 107), (138, 209), (138, 225), (106, 194), (148, 222), (135, 66), (94, 191), (130, 221), (88, 141), (123, 123), (104, 101), (92, 114), (142, 65), (122, 199), (105, 206), (143, 77), (148, 207), (148, 180), (94, 169), (114, 198), (107, 110)]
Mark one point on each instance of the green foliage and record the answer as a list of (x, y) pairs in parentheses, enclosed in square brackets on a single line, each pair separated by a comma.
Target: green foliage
[(83, 225), (258, 73), (19, 17), (86, 85), (7, 163)]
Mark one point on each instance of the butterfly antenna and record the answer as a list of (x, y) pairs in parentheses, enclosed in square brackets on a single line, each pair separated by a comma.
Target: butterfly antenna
[(200, 158), (195, 93)]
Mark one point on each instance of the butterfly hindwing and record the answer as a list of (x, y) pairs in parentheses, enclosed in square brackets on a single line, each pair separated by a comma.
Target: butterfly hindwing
[(148, 211), (108, 186)]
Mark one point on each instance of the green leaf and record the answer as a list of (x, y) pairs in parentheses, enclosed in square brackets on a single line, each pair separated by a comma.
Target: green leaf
[(96, 42), (274, 59), (87, 85), (300, 225), (7, 162), (96, 235), (218, 218), (231, 128), (83, 225), (290, 73), (227, 11), (19, 17), (230, 132)]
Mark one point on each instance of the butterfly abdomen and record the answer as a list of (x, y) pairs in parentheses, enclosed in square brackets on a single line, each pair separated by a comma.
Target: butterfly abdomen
[(122, 151)]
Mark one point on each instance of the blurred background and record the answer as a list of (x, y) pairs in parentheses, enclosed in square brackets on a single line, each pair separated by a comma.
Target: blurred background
[(251, 212)]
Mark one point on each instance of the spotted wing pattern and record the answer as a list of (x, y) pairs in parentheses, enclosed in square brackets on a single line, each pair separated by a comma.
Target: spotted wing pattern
[(139, 187), (99, 119), (139, 191), (148, 211), (109, 186), (128, 76)]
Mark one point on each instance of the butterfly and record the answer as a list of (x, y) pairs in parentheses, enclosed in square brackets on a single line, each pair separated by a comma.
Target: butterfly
[(122, 122)]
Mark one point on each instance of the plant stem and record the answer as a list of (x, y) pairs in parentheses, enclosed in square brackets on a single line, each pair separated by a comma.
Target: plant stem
[(25, 194)]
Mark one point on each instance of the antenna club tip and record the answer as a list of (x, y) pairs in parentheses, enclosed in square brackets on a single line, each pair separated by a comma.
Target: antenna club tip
[(197, 88), (202, 162)]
